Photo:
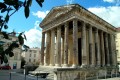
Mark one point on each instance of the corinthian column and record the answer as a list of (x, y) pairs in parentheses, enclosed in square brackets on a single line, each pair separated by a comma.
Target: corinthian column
[(97, 48), (102, 49), (47, 56), (58, 47), (62, 51), (91, 54), (114, 56), (75, 43), (66, 46), (42, 49), (107, 49), (52, 47), (84, 54)]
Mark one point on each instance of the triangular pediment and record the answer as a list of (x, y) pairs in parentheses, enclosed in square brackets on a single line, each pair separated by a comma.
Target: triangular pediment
[(56, 12), (69, 12)]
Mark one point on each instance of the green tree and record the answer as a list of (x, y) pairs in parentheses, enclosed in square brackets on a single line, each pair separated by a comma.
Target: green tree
[(7, 9)]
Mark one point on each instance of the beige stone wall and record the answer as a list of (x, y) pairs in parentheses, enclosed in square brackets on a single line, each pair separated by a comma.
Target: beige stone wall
[(118, 46), (83, 74)]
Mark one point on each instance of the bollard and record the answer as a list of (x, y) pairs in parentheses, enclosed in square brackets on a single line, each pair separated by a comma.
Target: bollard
[(10, 75), (37, 76), (111, 74), (116, 73), (97, 76), (25, 76), (105, 75)]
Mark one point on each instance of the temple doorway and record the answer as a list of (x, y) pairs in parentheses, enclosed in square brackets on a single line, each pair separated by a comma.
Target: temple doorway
[(79, 52)]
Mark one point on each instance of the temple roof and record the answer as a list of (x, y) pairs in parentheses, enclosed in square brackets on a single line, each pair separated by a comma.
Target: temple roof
[(56, 12)]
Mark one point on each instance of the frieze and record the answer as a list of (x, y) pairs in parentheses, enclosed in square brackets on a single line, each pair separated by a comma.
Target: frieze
[(82, 15), (95, 24), (94, 18)]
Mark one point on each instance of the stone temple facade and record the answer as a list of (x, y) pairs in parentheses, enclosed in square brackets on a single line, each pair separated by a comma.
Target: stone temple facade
[(76, 43)]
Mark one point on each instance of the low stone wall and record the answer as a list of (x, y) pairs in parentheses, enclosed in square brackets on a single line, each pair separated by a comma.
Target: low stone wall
[(81, 74)]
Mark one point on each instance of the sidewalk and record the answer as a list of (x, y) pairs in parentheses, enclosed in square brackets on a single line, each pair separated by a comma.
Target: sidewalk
[(9, 75), (111, 79)]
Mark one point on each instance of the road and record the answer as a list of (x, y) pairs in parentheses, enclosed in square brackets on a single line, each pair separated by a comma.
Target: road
[(9, 75)]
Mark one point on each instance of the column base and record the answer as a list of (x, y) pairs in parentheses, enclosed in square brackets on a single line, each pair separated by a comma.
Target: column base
[(45, 64), (65, 65), (57, 65), (41, 64), (103, 65), (83, 66), (92, 65), (108, 65), (98, 66), (51, 65), (74, 66)]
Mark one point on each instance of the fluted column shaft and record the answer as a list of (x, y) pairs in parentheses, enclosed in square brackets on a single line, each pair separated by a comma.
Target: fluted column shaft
[(62, 51), (75, 43), (58, 47), (42, 49), (114, 56), (102, 48), (97, 48), (52, 47), (91, 46), (84, 54), (47, 56), (107, 49), (66, 45)]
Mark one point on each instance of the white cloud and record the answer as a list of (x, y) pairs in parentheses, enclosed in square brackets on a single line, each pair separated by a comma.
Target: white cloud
[(40, 14), (110, 14), (110, 1), (34, 36), (117, 2), (69, 1)]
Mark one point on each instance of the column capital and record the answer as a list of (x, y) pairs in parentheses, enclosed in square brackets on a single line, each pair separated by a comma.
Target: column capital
[(96, 30), (83, 24)]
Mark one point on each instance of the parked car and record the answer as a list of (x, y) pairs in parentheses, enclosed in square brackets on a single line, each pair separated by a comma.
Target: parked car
[(5, 67)]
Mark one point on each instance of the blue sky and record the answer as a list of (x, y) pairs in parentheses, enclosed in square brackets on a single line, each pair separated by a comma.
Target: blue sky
[(109, 10)]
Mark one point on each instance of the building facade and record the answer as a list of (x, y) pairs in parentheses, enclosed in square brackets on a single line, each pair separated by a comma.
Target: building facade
[(15, 61), (83, 41), (32, 56), (118, 45)]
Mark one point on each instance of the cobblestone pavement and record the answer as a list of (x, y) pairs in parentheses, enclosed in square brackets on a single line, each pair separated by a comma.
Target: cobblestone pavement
[(9, 75)]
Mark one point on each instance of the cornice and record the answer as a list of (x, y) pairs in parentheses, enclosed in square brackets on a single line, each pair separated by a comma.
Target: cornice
[(75, 11)]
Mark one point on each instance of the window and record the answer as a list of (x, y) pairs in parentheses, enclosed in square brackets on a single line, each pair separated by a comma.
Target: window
[(30, 55), (34, 60), (34, 51), (34, 55), (30, 50), (29, 60)]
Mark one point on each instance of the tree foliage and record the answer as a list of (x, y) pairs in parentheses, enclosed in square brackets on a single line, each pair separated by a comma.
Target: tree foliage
[(7, 9)]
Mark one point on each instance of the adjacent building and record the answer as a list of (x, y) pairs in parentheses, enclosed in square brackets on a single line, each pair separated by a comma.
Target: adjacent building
[(15, 61), (85, 44), (32, 56)]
